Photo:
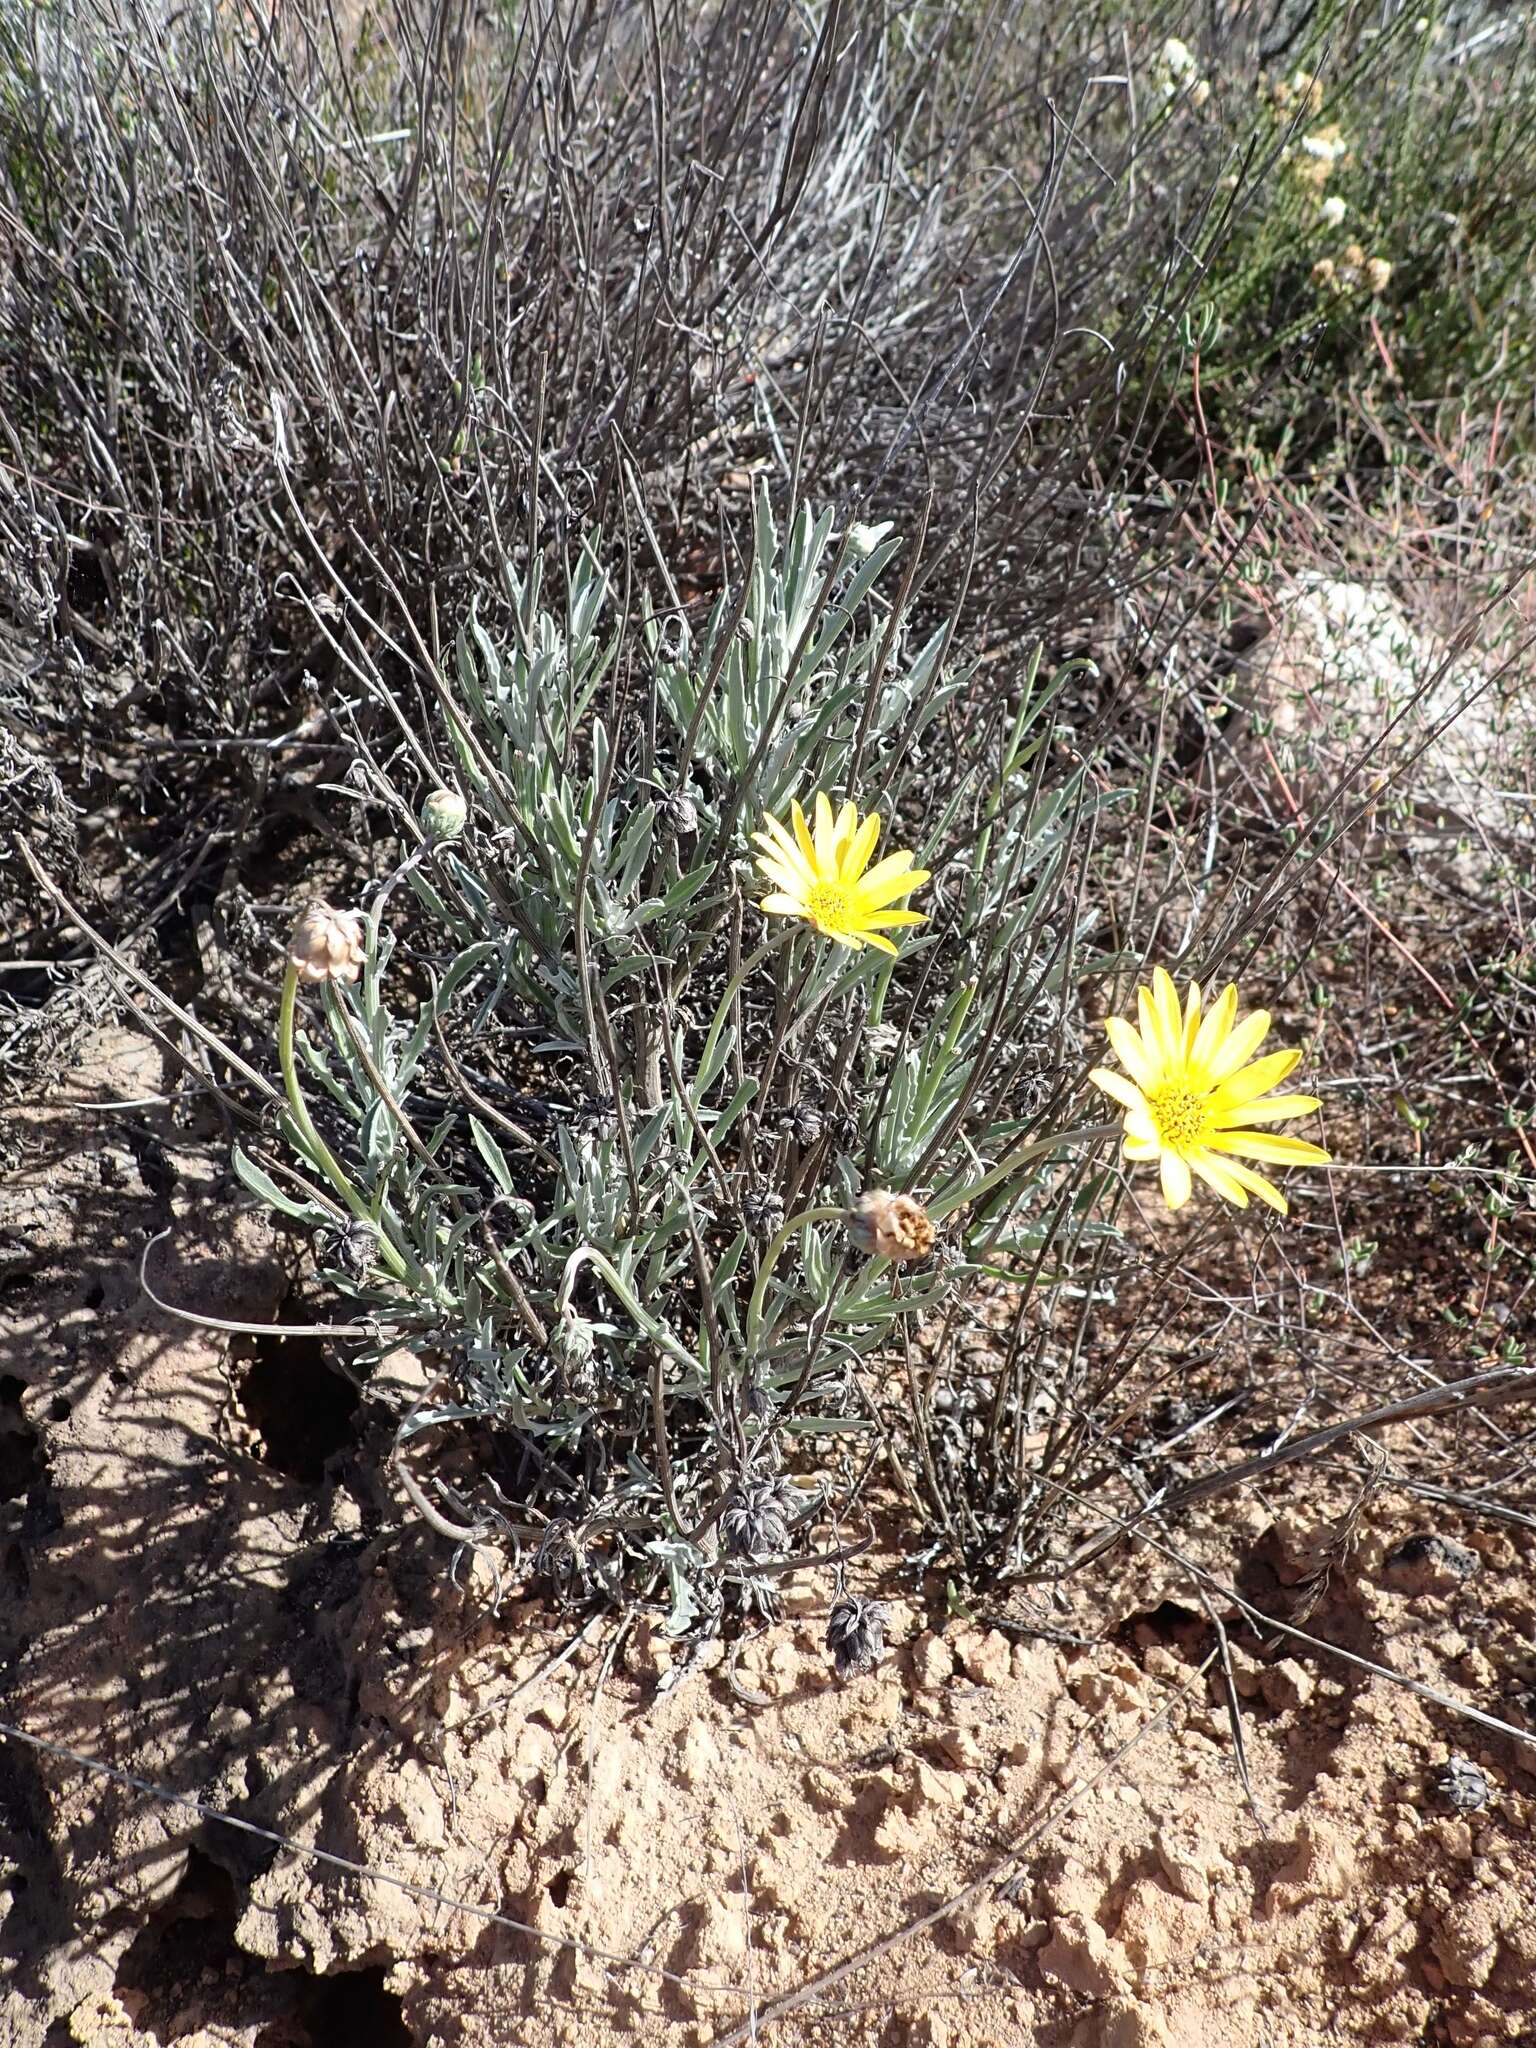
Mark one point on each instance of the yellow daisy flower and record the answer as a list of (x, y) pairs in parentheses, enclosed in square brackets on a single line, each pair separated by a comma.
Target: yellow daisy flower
[(825, 876), (1191, 1097)]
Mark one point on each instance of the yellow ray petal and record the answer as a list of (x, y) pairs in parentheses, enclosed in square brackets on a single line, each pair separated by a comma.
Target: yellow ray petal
[(1256, 1079), (1176, 1180), (883, 920), (1267, 1111), (1214, 1026), (1270, 1146), (803, 837), (1120, 1086), (847, 826), (857, 858), (825, 835), (871, 895), (1191, 1019), (1218, 1176), (887, 870), (1256, 1184), (874, 939), (1151, 1027), (1239, 1047), (1139, 1125), (1132, 1052), (783, 906), (1165, 999), (1138, 1148)]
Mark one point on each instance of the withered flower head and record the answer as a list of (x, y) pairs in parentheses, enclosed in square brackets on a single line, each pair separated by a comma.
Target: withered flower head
[(327, 945), (855, 1634), (893, 1226), (762, 1210), (754, 1523)]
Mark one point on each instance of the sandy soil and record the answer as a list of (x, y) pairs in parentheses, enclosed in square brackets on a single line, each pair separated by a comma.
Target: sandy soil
[(211, 1586)]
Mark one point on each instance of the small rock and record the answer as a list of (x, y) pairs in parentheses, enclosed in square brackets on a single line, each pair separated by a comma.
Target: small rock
[(988, 1659), (1428, 1564), (961, 1748), (1287, 1685), (932, 1663), (1082, 1958), (1462, 1785), (934, 1788)]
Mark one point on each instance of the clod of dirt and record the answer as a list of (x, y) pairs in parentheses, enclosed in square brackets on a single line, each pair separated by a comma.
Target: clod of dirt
[(1429, 1564), (1462, 1786)]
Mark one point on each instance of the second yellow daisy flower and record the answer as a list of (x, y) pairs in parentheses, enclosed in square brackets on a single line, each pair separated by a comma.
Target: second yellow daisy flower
[(1191, 1096)]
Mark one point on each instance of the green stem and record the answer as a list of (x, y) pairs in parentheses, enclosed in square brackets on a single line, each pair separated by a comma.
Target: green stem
[(771, 1258), (972, 1191), (733, 989), (319, 1152), (658, 1333)]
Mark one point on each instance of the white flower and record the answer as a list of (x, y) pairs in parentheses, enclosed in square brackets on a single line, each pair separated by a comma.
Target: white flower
[(1178, 60), (1332, 211), (1327, 149)]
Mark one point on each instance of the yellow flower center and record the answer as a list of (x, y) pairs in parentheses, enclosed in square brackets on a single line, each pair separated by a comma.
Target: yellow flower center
[(1180, 1114), (830, 905)]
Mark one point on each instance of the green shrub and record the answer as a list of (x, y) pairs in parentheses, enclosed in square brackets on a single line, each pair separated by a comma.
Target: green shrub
[(589, 1128)]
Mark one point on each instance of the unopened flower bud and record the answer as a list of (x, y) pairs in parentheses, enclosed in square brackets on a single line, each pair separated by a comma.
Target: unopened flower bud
[(855, 1634), (863, 540), (892, 1227), (1200, 92), (1323, 270), (327, 945), (1378, 273), (443, 815)]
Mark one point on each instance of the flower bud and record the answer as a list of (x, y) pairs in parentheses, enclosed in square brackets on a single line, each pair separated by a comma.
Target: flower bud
[(327, 945), (863, 540), (892, 1227), (1332, 211), (1378, 273), (1200, 92), (443, 815), (1323, 270)]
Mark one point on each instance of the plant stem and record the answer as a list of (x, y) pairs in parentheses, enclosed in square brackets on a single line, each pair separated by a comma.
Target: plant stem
[(771, 1257), (319, 1152), (972, 1191)]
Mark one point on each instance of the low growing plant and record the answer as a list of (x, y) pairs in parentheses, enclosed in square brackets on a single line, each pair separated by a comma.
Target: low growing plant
[(651, 1154)]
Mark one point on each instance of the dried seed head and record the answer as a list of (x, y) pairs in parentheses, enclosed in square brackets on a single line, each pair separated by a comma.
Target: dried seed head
[(855, 1634), (327, 945), (1323, 270), (893, 1226), (680, 815), (754, 1523), (357, 1250), (762, 1211), (444, 815), (1378, 273), (881, 1042), (1462, 1785), (803, 1122)]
